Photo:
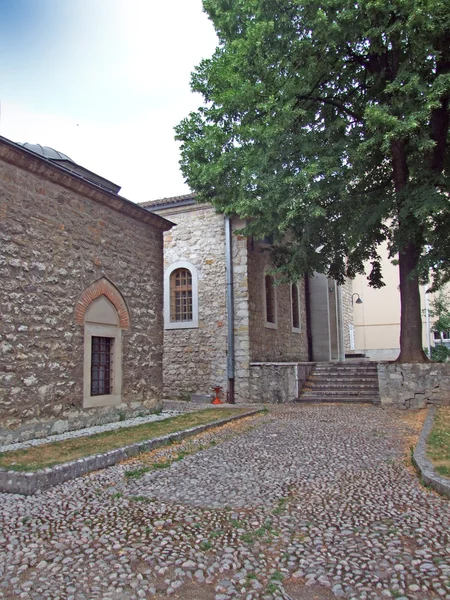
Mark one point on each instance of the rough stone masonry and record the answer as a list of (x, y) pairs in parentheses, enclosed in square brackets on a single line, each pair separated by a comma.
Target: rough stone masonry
[(58, 235)]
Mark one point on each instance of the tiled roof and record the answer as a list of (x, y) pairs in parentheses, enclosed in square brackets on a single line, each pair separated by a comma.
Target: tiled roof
[(166, 201)]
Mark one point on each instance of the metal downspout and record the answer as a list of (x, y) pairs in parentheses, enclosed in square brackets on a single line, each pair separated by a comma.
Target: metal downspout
[(230, 310), (340, 321)]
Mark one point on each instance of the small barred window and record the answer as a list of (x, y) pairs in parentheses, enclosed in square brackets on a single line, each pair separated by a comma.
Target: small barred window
[(101, 366)]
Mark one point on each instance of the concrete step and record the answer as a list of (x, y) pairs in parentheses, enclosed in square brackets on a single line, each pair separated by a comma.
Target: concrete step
[(340, 388), (314, 380), (342, 382), (340, 400), (354, 368), (335, 393)]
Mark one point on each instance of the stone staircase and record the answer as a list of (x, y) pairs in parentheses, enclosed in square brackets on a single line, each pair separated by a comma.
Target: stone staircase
[(342, 382)]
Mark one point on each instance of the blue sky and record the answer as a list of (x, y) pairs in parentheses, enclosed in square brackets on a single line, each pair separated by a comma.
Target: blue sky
[(105, 82)]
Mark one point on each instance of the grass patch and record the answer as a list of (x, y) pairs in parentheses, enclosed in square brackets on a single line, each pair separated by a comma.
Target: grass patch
[(136, 473), (205, 545), (216, 534), (438, 444), (55, 453)]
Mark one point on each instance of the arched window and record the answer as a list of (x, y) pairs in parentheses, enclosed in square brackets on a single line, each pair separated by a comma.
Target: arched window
[(181, 296), (295, 308), (270, 301)]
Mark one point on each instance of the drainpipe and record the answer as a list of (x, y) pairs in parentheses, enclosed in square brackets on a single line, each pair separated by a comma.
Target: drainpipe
[(308, 319), (230, 309), (340, 321)]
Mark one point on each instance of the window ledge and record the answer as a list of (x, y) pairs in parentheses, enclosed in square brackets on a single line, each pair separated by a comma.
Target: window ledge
[(182, 325), (296, 330), (270, 325), (102, 400)]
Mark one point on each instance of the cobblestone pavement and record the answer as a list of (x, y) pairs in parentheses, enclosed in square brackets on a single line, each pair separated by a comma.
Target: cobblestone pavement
[(307, 502)]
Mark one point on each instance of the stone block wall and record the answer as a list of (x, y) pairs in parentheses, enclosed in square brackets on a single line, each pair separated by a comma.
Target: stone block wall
[(280, 344), (277, 383), (195, 359), (57, 236), (414, 385)]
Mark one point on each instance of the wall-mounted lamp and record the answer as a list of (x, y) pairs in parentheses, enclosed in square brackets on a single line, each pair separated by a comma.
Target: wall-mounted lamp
[(358, 299)]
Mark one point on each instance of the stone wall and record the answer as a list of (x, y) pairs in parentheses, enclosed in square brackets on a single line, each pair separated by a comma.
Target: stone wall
[(56, 240), (414, 385), (277, 383), (195, 359), (280, 344)]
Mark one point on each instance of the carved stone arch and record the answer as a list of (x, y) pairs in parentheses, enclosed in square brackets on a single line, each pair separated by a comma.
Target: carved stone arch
[(102, 287)]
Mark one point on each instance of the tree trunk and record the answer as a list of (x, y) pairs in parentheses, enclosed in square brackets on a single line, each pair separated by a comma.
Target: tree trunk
[(411, 318), (410, 315)]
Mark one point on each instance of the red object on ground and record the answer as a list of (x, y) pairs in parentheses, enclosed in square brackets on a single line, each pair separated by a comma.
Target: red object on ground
[(217, 400)]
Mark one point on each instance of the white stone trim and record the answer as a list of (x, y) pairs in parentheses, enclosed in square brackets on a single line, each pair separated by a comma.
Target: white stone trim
[(110, 331), (267, 323), (299, 328), (168, 324)]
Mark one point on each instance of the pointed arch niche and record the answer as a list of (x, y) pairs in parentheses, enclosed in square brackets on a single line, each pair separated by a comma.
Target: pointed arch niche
[(102, 311)]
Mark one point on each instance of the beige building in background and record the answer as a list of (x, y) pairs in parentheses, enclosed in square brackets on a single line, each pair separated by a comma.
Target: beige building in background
[(377, 319)]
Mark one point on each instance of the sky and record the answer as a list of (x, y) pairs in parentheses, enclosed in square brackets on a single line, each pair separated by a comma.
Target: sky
[(105, 82)]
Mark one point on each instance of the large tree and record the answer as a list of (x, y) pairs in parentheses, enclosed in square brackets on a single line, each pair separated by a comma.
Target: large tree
[(326, 125)]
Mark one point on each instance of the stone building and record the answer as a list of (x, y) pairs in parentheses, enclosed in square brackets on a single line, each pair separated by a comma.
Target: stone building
[(228, 323), (81, 297)]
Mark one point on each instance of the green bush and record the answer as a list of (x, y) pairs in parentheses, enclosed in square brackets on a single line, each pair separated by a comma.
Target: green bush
[(439, 353)]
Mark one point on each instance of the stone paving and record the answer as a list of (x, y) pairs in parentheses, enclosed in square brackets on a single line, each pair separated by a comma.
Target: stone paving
[(307, 502)]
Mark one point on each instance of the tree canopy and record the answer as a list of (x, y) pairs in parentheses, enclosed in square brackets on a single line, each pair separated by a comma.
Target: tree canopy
[(326, 125)]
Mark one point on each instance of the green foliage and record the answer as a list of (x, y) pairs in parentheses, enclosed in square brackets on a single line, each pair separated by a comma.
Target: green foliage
[(440, 308), (440, 353), (325, 125)]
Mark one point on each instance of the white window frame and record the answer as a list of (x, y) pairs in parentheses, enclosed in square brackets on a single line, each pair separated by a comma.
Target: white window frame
[(267, 323), (299, 328), (192, 324)]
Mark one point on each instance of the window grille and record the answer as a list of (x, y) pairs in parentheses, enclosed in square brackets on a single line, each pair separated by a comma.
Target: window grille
[(181, 295), (295, 307), (270, 299), (101, 366)]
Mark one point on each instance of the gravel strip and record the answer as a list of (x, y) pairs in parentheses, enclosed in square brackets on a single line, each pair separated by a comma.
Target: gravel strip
[(315, 497)]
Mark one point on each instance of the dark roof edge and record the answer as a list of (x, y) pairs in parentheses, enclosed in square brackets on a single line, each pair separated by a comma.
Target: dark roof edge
[(30, 161)]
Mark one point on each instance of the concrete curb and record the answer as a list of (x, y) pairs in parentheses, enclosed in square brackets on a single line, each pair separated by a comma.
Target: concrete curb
[(423, 466), (28, 483)]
